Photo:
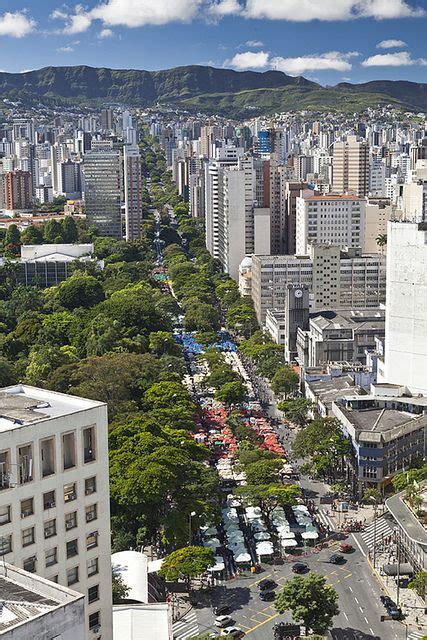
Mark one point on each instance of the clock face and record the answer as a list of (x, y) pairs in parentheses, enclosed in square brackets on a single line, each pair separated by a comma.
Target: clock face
[(298, 293)]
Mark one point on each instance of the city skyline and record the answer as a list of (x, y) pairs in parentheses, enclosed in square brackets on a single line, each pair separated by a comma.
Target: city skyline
[(318, 40)]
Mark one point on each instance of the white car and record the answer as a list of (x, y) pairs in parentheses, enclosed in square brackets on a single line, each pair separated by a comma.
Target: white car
[(223, 621), (234, 632)]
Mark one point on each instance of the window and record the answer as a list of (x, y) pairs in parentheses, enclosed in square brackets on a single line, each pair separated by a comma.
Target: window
[(70, 492), (53, 579), (92, 567), (5, 544), (69, 450), (25, 461), (91, 513), (72, 576), (30, 564), (90, 485), (49, 500), (93, 593), (72, 548), (28, 536), (92, 540), (51, 557), (71, 520), (50, 528), (94, 620), (4, 470), (27, 507), (5, 514), (89, 444), (47, 452)]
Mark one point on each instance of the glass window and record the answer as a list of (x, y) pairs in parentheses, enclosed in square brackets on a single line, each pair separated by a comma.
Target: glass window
[(30, 564), (5, 514), (72, 576), (72, 548), (70, 492), (4, 470), (25, 461), (49, 500), (90, 485), (71, 520), (93, 593), (5, 544), (92, 567), (51, 557), (92, 540), (27, 507), (94, 620), (89, 444), (47, 452), (28, 537), (91, 512), (69, 450), (50, 528)]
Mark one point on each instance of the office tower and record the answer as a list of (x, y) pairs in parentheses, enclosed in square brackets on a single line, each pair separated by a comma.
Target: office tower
[(351, 167), (377, 176), (292, 191), (107, 120), (18, 190), (70, 180), (405, 354), (133, 192), (54, 498), (23, 129), (102, 188), (338, 220)]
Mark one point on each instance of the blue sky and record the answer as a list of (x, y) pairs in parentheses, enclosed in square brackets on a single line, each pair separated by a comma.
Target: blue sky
[(325, 40)]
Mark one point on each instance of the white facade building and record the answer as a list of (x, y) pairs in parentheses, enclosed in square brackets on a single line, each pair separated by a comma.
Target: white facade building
[(406, 310), (54, 494), (339, 220)]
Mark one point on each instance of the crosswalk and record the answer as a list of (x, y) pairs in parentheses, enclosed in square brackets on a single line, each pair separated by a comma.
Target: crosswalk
[(379, 530), (416, 635), (187, 627), (325, 519)]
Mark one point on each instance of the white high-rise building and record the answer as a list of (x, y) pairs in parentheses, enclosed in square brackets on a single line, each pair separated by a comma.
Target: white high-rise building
[(351, 167), (405, 354), (133, 191), (323, 219), (54, 494)]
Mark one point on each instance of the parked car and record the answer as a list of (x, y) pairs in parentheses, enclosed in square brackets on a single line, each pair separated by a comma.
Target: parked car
[(266, 584), (234, 632), (223, 621), (387, 602), (267, 595), (300, 567), (346, 548), (335, 558), (222, 609)]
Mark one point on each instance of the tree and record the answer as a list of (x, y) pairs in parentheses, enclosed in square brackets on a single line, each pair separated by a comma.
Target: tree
[(32, 235), (372, 496), (268, 497), (381, 240), (79, 291), (263, 472), (232, 393), (323, 441), (7, 373), (12, 240), (70, 232), (161, 342), (52, 232), (163, 395), (221, 375), (419, 584), (296, 410), (311, 600), (285, 381), (43, 360), (120, 590), (187, 563)]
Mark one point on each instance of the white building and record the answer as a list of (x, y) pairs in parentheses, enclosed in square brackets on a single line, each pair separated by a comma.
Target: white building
[(54, 494), (334, 219), (132, 178), (406, 310), (33, 607), (378, 213)]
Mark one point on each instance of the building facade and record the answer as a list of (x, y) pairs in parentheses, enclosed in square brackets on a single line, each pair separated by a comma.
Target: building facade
[(350, 164), (132, 177)]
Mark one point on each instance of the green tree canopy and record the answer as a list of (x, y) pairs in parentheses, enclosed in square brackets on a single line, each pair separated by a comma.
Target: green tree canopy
[(187, 563), (285, 381), (79, 291), (296, 410), (232, 393)]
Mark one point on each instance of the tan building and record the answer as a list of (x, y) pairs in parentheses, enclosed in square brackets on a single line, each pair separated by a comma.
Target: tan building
[(351, 167), (378, 213), (17, 191)]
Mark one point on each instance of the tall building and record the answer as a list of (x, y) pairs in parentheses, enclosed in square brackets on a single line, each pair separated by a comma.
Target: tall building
[(107, 119), (351, 167), (70, 180), (405, 357), (133, 191), (17, 190), (338, 220), (103, 188), (54, 494)]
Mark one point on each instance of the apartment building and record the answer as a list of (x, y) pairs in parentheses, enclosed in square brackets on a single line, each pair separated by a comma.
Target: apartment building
[(331, 219), (336, 279), (350, 164), (132, 178), (54, 494)]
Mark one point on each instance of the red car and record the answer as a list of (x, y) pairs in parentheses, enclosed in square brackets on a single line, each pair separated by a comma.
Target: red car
[(346, 548)]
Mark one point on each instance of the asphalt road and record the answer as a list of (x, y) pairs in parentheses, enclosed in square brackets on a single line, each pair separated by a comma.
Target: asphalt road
[(359, 601)]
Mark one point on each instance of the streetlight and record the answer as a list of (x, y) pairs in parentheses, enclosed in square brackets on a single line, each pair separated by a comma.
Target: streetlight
[(192, 514)]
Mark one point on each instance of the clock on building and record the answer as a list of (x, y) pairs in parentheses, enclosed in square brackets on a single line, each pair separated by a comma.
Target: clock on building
[(298, 293)]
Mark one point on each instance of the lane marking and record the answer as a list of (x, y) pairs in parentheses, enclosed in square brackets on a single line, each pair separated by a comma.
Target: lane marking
[(370, 629), (258, 581), (356, 599), (351, 589), (361, 609), (358, 544), (346, 616), (366, 619), (263, 622)]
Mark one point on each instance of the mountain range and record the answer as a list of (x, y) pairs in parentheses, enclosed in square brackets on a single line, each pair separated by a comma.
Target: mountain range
[(203, 88)]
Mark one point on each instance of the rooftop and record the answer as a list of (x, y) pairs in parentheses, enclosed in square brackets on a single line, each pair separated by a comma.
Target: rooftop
[(22, 405)]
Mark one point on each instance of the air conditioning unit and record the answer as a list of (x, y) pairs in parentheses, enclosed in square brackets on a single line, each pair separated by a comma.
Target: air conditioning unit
[(50, 505), (96, 629), (90, 516), (25, 514), (69, 525)]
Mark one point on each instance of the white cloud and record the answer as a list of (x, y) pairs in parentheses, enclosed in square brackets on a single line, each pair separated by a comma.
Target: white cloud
[(106, 33), (138, 13), (78, 22), (254, 43), (224, 8), (249, 60), (398, 59), (391, 44), (66, 49), (327, 10), (16, 24), (332, 60)]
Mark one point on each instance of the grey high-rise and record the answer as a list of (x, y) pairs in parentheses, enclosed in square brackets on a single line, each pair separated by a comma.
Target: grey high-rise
[(102, 188)]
